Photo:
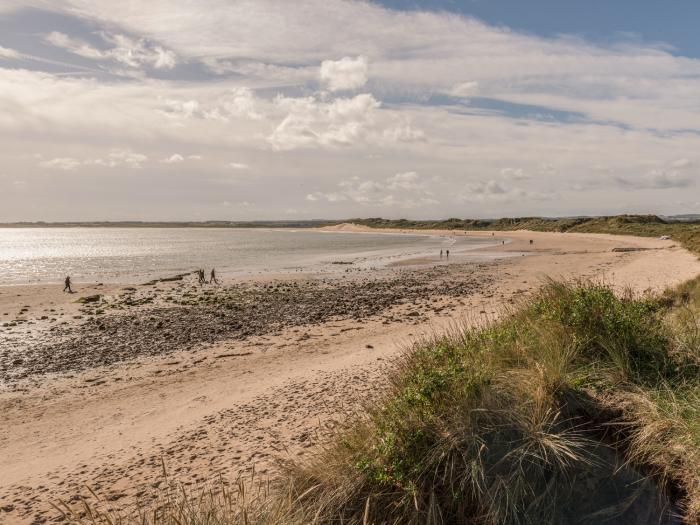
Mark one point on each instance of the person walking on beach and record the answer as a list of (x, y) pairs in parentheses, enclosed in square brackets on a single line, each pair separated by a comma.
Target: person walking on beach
[(200, 274), (67, 285), (447, 253), (440, 254), (212, 277)]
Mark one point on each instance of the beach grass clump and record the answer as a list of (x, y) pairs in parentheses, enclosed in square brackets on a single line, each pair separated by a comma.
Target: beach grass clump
[(579, 406), (525, 421)]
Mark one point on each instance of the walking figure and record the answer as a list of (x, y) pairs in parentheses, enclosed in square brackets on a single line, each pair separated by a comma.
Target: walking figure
[(67, 285), (440, 254), (531, 241), (448, 254), (212, 277), (200, 273)]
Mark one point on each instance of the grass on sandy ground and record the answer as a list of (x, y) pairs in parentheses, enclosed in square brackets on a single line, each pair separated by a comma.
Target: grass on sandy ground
[(576, 407)]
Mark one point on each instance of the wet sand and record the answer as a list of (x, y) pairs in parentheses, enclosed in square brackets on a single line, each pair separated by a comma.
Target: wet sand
[(218, 379)]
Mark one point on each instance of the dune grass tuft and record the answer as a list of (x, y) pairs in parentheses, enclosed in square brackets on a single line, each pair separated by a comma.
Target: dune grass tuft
[(518, 421)]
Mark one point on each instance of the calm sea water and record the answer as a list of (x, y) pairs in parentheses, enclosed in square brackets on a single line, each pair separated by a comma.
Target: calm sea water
[(129, 254)]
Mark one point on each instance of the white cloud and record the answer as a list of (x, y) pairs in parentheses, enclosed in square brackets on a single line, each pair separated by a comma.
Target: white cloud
[(393, 201), (195, 157), (344, 74), (656, 179), (173, 159), (464, 90), (125, 50), (404, 132), (404, 190), (233, 104), (515, 173), (424, 50), (61, 163), (681, 163), (182, 109), (74, 45), (237, 102), (120, 157), (557, 101), (116, 157), (330, 197), (238, 166), (136, 53), (311, 122), (497, 191), (6, 52), (491, 187), (409, 180)]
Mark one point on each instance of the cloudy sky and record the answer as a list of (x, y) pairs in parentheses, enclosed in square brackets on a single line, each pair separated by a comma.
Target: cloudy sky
[(252, 109)]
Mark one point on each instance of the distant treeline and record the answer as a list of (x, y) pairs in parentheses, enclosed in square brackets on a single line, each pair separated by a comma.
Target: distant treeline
[(560, 224)]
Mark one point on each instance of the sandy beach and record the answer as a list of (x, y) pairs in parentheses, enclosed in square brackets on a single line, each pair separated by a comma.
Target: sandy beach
[(102, 387)]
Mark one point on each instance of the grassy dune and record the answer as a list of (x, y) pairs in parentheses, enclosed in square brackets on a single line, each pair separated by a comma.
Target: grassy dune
[(578, 406), (528, 421), (687, 233)]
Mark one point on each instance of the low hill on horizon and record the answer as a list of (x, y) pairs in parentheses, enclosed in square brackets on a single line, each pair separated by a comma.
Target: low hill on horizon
[(538, 223)]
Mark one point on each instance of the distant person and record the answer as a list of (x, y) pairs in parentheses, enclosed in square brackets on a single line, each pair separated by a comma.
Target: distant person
[(440, 254), (531, 241), (448, 254), (212, 277), (200, 274), (67, 285), (503, 242)]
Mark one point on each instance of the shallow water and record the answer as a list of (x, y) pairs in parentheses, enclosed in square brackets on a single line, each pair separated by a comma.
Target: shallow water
[(33, 255)]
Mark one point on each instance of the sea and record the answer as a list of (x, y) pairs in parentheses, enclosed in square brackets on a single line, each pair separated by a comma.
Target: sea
[(128, 255)]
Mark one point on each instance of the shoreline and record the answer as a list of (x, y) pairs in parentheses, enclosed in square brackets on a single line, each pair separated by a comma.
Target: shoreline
[(307, 263), (226, 404)]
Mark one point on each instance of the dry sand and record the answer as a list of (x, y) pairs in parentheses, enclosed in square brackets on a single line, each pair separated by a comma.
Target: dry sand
[(221, 405)]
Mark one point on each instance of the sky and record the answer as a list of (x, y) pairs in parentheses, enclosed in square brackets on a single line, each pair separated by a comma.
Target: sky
[(261, 109)]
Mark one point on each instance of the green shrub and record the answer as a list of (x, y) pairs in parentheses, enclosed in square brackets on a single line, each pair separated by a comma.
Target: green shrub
[(624, 332), (491, 425)]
